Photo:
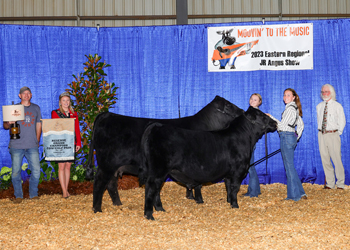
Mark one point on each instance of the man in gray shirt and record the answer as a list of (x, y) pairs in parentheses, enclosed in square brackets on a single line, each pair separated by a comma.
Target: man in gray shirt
[(27, 145), (331, 122)]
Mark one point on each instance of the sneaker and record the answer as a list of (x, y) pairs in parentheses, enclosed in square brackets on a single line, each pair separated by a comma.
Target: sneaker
[(35, 198), (17, 200)]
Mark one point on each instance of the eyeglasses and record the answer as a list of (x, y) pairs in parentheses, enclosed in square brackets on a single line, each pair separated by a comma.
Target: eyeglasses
[(324, 92)]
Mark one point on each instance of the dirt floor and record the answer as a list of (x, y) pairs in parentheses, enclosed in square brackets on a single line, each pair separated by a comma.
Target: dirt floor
[(267, 222)]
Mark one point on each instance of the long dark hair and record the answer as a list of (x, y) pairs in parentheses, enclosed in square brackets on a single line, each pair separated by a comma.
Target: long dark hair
[(296, 100)]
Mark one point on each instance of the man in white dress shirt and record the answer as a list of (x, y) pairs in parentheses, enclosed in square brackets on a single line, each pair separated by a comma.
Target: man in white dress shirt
[(331, 123)]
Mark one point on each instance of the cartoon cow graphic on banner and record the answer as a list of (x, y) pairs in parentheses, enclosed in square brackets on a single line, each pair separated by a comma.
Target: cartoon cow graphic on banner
[(227, 49)]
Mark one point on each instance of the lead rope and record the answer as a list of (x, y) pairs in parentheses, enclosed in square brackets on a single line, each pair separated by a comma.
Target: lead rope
[(264, 158)]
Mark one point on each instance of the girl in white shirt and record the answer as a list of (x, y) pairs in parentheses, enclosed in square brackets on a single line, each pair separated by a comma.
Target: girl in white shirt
[(291, 118)]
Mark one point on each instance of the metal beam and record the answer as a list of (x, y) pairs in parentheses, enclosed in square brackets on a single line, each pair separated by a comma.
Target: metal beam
[(144, 17), (181, 12), (77, 3), (280, 9), (38, 18), (164, 17)]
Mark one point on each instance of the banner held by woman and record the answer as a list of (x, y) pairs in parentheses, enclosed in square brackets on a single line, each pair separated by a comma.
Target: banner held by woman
[(58, 139)]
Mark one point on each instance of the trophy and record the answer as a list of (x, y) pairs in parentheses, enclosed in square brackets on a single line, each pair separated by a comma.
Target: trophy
[(13, 113)]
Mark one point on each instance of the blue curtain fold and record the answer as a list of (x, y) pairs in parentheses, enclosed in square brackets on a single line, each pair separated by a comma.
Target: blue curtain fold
[(161, 72)]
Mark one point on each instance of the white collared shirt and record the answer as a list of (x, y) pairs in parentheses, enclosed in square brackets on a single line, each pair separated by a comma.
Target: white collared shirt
[(335, 116), (289, 117)]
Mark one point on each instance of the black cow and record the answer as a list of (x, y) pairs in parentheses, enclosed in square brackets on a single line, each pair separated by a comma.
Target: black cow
[(117, 141), (196, 157)]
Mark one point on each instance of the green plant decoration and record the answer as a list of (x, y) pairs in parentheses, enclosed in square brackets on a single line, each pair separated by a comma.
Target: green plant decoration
[(24, 166), (6, 174), (5, 178), (78, 173), (54, 174), (93, 95), (49, 170)]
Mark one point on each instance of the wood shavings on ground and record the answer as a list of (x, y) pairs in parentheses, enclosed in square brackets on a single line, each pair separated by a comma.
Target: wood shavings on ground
[(267, 222)]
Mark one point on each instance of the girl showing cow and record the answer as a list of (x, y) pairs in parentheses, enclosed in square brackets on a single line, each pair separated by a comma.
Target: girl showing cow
[(255, 101), (291, 118)]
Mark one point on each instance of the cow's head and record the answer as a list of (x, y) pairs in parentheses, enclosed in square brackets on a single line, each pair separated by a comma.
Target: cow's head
[(226, 38), (224, 106), (218, 114), (262, 121)]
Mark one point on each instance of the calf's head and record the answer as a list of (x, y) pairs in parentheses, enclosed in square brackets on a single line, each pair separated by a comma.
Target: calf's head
[(227, 108), (262, 122)]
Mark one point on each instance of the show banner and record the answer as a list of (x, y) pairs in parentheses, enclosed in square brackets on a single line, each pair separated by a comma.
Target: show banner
[(264, 47), (58, 139)]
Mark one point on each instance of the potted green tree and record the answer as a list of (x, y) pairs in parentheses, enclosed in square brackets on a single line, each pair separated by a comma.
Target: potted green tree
[(93, 95)]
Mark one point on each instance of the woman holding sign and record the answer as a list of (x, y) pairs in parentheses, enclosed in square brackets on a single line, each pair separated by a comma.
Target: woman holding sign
[(66, 111)]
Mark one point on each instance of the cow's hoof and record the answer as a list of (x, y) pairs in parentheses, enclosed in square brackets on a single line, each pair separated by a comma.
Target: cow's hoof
[(161, 209), (97, 210), (149, 217), (117, 203), (189, 195)]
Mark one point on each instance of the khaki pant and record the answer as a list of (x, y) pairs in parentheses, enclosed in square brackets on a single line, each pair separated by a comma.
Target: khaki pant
[(330, 148)]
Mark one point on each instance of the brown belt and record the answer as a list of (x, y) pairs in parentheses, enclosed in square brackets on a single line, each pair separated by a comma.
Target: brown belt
[(328, 131)]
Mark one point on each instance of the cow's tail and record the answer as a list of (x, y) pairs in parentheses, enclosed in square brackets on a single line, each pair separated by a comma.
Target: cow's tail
[(89, 174), (145, 152)]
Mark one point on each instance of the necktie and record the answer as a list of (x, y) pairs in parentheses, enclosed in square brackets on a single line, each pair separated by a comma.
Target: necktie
[(324, 121)]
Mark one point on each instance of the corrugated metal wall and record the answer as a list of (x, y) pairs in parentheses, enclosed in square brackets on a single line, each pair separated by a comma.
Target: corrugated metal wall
[(237, 7), (127, 8), (72, 8), (315, 7), (149, 12)]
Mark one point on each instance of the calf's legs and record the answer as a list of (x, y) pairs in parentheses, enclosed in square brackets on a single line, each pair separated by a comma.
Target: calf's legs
[(152, 190), (113, 191), (114, 194), (158, 206), (232, 188), (197, 194), (100, 185), (189, 194), (228, 189)]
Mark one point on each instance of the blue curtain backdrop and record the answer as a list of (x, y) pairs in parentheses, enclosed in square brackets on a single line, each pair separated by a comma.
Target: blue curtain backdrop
[(162, 73)]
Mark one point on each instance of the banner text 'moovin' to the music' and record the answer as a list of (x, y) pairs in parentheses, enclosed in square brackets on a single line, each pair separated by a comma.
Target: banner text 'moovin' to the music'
[(278, 31)]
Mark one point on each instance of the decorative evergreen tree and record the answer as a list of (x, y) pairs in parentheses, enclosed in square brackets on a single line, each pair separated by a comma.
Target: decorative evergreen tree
[(93, 95)]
